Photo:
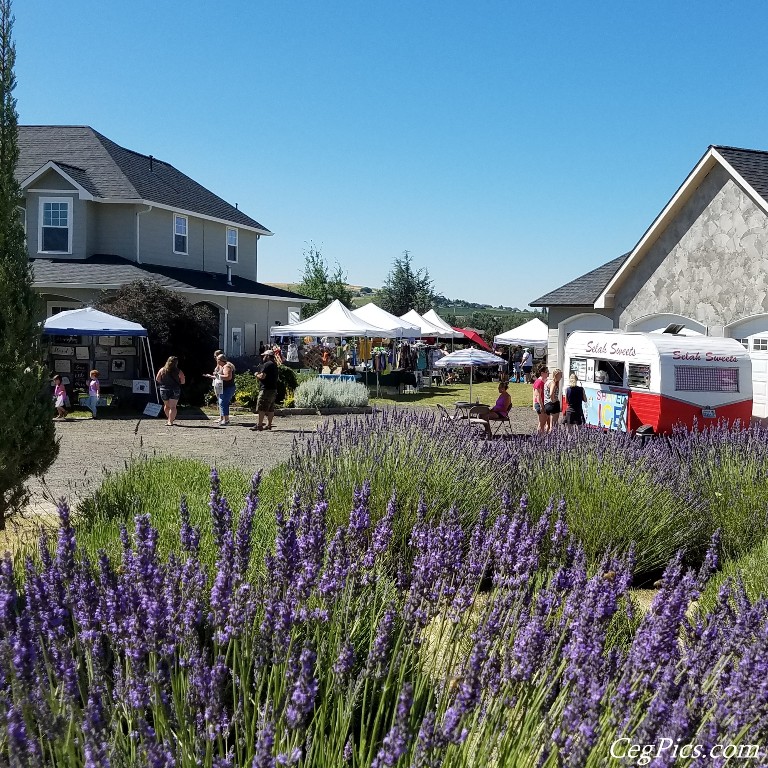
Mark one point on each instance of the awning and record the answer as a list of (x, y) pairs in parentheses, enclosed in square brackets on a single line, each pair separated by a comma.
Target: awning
[(88, 321)]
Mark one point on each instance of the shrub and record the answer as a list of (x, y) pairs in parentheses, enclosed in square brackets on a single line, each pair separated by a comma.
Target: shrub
[(617, 493), (729, 469), (327, 393), (325, 660), (152, 486), (751, 570)]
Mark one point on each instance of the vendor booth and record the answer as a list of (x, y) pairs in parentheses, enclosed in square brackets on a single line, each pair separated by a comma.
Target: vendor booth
[(447, 331), (534, 333), (82, 340)]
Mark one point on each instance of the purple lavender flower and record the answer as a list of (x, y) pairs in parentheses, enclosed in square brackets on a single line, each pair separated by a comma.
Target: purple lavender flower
[(303, 690), (395, 743), (189, 535), (265, 741), (345, 661), (380, 648)]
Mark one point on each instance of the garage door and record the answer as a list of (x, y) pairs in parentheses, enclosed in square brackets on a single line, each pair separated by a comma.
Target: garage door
[(758, 351)]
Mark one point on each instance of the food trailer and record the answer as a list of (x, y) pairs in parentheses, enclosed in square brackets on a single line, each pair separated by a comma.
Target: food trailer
[(659, 379)]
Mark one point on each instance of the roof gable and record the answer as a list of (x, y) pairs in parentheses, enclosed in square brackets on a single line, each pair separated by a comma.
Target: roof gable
[(115, 173), (747, 167)]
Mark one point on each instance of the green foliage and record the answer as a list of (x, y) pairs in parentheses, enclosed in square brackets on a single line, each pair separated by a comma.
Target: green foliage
[(247, 386), (320, 284), (324, 393), (174, 326), (751, 569), (27, 434), (406, 288), (155, 486)]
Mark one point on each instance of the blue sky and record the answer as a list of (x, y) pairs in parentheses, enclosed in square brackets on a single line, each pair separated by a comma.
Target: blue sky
[(508, 146)]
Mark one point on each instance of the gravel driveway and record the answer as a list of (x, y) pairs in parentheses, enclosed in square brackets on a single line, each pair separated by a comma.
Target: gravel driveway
[(89, 448)]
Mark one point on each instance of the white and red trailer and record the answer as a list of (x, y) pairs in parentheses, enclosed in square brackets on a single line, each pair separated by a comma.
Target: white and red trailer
[(659, 379)]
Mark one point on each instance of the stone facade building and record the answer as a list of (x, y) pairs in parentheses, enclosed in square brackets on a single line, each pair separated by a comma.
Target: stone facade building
[(702, 263)]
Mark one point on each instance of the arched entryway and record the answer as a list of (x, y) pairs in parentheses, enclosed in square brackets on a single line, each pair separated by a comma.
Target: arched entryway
[(752, 332), (584, 321)]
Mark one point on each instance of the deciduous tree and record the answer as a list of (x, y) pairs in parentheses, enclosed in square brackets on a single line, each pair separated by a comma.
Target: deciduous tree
[(174, 327), (322, 285), (27, 434)]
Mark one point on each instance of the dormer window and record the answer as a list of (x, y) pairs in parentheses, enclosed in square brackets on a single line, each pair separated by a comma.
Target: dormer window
[(180, 234), (55, 232), (231, 245)]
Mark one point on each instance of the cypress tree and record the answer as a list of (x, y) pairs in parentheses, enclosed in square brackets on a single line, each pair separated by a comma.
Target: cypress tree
[(28, 443)]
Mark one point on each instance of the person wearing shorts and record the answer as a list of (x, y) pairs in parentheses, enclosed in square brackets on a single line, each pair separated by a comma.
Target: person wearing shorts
[(170, 378), (267, 375), (527, 365)]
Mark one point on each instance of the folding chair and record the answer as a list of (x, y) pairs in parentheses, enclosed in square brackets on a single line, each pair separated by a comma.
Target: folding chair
[(444, 414)]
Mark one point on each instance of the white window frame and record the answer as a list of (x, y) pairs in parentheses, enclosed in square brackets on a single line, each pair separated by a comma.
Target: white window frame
[(70, 223), (176, 217), (62, 305), (236, 245)]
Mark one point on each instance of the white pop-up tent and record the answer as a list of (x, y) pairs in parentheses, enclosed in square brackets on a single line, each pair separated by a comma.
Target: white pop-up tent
[(531, 334), (88, 321), (334, 320), (371, 313), (426, 328), (432, 317)]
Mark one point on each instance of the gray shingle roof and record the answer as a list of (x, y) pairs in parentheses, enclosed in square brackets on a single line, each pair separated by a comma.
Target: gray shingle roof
[(582, 291), (114, 271), (751, 164), (108, 170)]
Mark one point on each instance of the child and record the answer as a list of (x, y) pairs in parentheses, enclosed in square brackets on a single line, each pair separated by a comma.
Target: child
[(60, 398), (93, 392)]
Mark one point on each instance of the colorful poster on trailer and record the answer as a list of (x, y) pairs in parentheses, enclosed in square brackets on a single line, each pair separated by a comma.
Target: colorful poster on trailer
[(607, 410)]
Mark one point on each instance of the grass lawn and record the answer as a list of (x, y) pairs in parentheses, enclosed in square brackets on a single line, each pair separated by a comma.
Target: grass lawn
[(486, 392)]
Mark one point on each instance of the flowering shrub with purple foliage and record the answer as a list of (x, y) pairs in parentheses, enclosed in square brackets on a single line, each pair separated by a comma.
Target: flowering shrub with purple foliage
[(618, 493), (490, 645)]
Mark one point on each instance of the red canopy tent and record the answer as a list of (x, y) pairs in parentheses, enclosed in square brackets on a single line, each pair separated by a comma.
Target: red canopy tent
[(474, 337)]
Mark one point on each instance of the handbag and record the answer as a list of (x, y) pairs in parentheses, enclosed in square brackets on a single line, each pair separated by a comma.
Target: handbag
[(218, 386)]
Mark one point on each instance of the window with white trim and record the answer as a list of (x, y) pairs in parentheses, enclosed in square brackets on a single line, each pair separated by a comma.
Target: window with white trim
[(231, 245), (55, 231), (760, 345), (180, 227), (54, 307), (744, 343)]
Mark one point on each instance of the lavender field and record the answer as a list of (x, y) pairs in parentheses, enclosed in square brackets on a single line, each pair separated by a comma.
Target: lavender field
[(400, 595)]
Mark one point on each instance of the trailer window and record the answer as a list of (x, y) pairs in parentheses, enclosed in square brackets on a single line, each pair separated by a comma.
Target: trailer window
[(609, 372), (689, 378), (579, 367), (639, 376)]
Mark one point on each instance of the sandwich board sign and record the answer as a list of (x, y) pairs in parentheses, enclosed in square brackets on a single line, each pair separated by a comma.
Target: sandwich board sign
[(152, 409)]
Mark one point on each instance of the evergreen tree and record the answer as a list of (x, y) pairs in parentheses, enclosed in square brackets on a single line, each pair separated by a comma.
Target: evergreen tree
[(28, 443), (406, 288), (320, 284)]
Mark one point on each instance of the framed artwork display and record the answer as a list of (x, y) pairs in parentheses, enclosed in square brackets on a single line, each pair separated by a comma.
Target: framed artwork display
[(118, 365)]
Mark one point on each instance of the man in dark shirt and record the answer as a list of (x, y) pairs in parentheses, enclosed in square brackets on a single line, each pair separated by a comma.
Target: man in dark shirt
[(267, 375)]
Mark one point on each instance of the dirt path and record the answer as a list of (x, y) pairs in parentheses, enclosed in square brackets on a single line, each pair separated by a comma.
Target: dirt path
[(89, 448)]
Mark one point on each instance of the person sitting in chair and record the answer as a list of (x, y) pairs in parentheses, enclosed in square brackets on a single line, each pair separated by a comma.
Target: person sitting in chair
[(500, 411)]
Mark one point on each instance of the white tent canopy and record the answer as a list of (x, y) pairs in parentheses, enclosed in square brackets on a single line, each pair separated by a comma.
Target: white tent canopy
[(533, 334), (334, 320), (88, 321), (432, 317), (426, 328), (371, 313)]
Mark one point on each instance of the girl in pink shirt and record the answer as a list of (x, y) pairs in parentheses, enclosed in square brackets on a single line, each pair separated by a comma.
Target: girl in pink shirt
[(60, 398), (94, 390)]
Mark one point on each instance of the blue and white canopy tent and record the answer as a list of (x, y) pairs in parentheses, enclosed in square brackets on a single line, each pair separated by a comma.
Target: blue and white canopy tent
[(469, 358), (88, 321)]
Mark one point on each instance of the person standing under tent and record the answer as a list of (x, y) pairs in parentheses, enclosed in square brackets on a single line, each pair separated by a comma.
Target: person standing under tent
[(517, 363), (526, 363), (170, 379), (94, 390), (265, 405)]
